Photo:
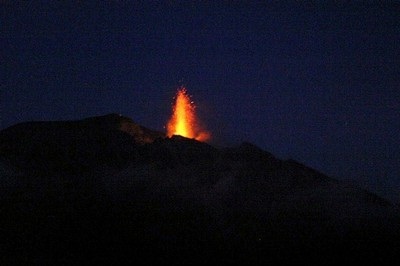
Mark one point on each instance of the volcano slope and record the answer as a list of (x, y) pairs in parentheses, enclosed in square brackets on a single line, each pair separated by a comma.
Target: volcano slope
[(106, 190)]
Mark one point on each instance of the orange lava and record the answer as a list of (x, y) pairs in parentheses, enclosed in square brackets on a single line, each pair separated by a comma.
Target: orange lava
[(184, 121)]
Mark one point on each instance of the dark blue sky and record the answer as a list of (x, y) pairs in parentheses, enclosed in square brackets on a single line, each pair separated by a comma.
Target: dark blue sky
[(320, 84)]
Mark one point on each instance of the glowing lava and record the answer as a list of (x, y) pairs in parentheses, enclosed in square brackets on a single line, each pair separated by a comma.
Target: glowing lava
[(184, 121)]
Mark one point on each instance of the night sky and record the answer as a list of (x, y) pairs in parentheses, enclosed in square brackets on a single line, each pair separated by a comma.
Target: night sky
[(316, 83)]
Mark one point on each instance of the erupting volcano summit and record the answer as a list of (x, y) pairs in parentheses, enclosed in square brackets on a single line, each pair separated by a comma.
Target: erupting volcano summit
[(184, 120)]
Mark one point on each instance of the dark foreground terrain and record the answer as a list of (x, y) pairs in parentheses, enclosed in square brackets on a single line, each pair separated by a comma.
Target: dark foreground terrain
[(106, 190)]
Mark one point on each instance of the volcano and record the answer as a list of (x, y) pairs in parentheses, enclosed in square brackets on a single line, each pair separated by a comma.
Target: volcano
[(107, 190)]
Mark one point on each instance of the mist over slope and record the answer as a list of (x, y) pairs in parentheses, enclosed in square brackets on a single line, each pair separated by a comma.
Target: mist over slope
[(107, 189)]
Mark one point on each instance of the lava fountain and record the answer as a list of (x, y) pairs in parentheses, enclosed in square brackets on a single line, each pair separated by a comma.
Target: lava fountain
[(184, 121)]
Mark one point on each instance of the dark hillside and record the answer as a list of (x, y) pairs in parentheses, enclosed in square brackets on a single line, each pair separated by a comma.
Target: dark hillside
[(105, 189)]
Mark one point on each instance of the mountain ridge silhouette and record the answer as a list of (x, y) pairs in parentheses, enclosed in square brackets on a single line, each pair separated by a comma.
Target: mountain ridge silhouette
[(106, 188)]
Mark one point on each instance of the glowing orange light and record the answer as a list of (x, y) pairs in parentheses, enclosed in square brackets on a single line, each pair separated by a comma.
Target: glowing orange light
[(183, 120)]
